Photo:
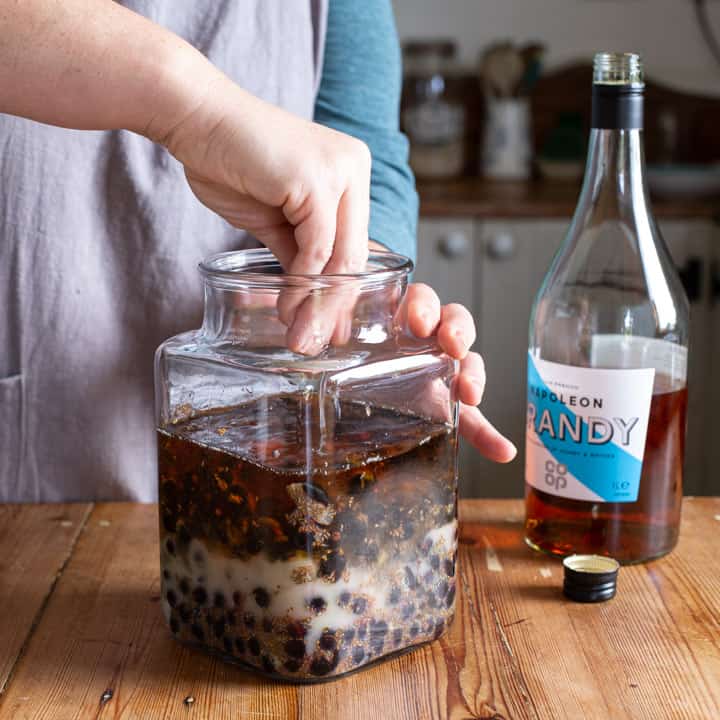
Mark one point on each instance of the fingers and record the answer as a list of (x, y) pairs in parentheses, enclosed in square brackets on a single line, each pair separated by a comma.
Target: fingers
[(456, 332), (345, 312), (268, 224), (482, 435), (326, 316), (422, 314), (311, 327), (289, 301), (420, 310), (330, 240), (330, 215), (470, 382), (350, 252), (315, 223), (314, 220), (323, 316), (474, 427), (281, 243), (343, 328)]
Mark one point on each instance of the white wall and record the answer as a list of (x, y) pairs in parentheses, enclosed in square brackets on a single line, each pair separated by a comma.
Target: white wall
[(665, 32)]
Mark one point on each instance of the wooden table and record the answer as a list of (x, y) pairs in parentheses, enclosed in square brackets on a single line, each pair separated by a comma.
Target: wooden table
[(81, 633)]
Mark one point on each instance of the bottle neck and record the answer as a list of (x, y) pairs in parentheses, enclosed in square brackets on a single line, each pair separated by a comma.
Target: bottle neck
[(617, 107), (615, 184)]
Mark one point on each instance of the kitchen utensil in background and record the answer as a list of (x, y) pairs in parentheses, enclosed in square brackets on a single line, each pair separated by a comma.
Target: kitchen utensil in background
[(509, 71), (507, 75), (532, 58), (506, 148), (502, 70)]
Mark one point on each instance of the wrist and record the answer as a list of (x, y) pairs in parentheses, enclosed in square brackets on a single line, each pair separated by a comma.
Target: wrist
[(182, 79)]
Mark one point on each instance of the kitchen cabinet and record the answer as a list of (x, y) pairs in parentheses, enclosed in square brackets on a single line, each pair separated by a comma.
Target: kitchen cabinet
[(514, 257), (447, 261), (498, 277), (691, 244)]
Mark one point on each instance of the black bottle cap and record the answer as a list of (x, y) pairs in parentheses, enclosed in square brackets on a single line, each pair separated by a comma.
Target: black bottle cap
[(590, 578), (617, 97)]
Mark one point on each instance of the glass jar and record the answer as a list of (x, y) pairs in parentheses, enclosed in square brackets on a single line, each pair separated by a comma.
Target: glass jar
[(307, 502), (433, 120)]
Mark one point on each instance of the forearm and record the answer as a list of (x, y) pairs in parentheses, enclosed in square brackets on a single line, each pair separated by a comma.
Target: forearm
[(299, 187), (96, 65)]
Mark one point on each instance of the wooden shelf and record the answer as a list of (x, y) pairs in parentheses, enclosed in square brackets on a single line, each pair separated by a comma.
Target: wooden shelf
[(533, 199)]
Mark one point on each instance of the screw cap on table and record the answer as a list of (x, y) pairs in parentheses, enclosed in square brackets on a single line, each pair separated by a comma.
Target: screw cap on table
[(590, 578)]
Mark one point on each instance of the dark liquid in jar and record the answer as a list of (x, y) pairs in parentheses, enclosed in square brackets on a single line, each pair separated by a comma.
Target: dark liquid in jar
[(305, 564), (629, 532)]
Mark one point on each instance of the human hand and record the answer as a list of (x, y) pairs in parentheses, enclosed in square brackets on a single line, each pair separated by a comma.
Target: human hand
[(454, 327), (300, 188), (303, 190)]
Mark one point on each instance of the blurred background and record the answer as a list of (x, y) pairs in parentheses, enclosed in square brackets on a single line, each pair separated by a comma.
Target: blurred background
[(496, 103)]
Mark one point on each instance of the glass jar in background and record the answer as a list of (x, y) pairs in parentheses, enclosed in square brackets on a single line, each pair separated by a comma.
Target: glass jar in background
[(433, 120), (308, 510)]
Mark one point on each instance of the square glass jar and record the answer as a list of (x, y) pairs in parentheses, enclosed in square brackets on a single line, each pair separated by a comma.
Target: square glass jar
[(308, 500)]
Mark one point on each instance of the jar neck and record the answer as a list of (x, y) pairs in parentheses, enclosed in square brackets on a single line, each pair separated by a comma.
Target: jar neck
[(251, 303), (248, 316), (222, 316)]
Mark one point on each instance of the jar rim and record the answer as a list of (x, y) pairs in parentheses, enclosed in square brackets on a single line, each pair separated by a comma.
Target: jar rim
[(259, 268)]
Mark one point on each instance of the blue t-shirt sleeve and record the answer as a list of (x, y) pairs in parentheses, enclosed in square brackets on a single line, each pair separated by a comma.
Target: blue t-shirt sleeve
[(359, 94)]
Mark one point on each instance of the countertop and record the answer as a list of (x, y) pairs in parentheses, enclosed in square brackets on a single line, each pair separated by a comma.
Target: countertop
[(82, 636), (536, 199)]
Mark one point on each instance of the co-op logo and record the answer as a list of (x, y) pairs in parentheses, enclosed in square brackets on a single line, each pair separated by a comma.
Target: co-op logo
[(556, 477), (555, 474)]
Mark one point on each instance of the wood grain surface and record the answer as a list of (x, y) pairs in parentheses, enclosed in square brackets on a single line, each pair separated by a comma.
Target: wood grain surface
[(517, 648), (35, 543)]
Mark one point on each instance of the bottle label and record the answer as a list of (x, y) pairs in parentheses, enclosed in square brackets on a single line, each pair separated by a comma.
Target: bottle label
[(586, 430)]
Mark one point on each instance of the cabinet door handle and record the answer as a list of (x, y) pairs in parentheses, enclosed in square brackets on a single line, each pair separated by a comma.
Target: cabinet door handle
[(501, 246), (453, 245)]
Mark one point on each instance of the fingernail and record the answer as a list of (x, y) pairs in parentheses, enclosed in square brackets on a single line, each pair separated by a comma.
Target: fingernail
[(420, 321), (312, 340)]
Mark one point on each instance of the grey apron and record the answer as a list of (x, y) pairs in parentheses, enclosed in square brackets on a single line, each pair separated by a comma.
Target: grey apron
[(100, 237)]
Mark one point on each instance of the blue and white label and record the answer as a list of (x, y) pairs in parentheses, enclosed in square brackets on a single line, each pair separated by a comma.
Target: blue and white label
[(586, 430)]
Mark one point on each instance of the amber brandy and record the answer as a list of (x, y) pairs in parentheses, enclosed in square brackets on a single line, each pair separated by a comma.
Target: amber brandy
[(629, 532)]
